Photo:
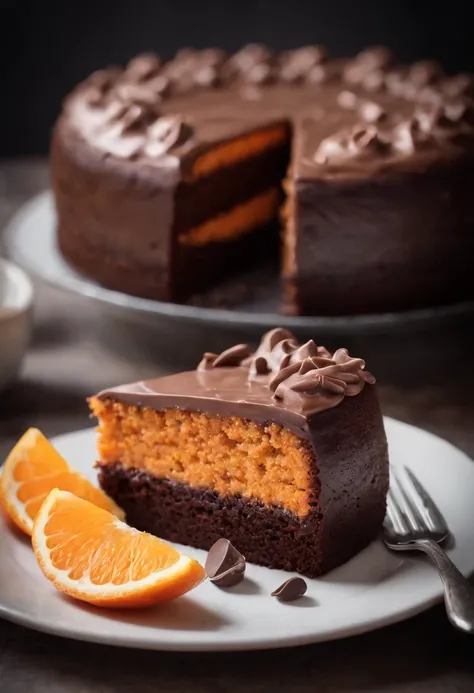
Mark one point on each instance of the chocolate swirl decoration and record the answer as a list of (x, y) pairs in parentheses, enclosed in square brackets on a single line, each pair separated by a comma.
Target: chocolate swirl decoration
[(361, 142), (252, 64), (234, 356), (295, 65), (303, 384), (303, 377), (368, 68)]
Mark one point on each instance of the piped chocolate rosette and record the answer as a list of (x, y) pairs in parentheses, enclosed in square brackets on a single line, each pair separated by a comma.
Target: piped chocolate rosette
[(302, 376)]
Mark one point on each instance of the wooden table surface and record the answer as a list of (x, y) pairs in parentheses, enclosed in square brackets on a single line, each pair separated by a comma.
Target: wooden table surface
[(68, 360)]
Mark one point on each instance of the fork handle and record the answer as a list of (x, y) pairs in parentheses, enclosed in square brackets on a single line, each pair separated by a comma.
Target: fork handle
[(458, 592)]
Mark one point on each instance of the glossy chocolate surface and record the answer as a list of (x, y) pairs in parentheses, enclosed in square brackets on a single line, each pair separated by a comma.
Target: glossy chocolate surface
[(351, 117), (283, 382)]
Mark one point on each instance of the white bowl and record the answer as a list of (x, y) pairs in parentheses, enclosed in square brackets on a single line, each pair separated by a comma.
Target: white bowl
[(16, 303)]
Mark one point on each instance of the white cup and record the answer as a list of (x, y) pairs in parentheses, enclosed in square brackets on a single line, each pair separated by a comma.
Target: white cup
[(16, 307)]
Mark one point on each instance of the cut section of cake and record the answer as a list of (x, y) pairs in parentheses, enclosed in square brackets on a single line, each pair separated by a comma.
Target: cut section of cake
[(282, 451)]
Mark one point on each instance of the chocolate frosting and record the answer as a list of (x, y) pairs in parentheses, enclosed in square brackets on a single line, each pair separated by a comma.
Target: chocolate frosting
[(283, 381), (346, 112)]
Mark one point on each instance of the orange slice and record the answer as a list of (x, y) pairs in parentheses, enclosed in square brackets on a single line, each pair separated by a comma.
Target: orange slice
[(91, 555), (32, 469)]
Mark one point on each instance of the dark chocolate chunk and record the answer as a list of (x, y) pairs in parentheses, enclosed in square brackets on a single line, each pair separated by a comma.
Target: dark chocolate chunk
[(225, 566), (291, 589)]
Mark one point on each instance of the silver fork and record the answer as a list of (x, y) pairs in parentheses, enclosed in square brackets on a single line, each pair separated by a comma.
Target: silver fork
[(414, 523)]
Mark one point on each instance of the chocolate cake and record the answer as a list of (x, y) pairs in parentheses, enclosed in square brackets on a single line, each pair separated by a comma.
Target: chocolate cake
[(281, 451), (168, 176)]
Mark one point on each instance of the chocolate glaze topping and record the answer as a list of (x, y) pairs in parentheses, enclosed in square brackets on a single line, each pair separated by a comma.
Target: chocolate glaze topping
[(348, 112), (283, 381)]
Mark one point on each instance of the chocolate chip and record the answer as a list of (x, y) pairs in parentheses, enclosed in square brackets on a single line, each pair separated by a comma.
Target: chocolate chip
[(291, 589), (225, 566)]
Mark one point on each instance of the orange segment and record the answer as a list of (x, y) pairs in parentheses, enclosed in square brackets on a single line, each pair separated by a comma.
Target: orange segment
[(90, 555), (32, 469)]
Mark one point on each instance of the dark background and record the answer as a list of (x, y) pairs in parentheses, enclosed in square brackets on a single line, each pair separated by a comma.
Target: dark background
[(47, 47)]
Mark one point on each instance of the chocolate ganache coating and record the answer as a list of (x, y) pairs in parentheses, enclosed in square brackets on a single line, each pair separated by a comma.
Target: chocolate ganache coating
[(282, 381)]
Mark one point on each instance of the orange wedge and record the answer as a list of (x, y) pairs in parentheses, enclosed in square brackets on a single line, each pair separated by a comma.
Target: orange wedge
[(32, 469), (91, 555)]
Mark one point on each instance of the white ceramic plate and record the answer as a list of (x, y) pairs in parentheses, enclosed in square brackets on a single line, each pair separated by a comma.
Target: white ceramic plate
[(373, 590)]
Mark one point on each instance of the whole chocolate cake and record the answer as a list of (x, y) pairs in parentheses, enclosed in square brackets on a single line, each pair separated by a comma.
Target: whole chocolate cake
[(171, 175), (281, 451)]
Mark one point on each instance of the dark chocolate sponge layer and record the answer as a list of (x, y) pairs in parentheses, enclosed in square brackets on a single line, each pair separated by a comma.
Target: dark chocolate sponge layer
[(267, 536)]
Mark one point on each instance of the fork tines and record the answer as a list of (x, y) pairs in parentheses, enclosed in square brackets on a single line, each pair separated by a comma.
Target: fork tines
[(410, 508)]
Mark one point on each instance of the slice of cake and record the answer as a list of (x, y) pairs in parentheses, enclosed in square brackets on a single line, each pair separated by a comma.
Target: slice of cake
[(281, 451)]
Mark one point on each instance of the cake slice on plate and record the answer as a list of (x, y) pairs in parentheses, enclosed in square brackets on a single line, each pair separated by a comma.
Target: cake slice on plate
[(282, 451)]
